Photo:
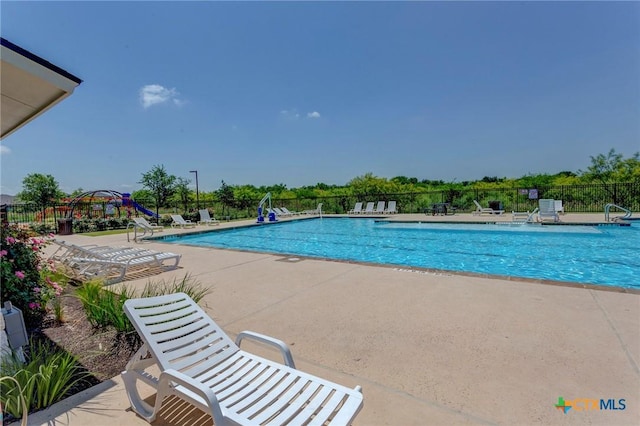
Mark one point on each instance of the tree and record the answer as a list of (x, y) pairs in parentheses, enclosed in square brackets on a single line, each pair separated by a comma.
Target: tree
[(183, 192), (226, 196), (369, 185), (603, 167), (613, 167), (629, 169), (160, 184), (245, 197), (76, 192), (41, 190)]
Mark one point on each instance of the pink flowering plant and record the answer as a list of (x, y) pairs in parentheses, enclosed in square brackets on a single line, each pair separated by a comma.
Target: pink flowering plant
[(25, 274)]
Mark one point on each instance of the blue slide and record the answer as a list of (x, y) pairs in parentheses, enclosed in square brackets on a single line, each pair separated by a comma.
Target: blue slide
[(143, 210)]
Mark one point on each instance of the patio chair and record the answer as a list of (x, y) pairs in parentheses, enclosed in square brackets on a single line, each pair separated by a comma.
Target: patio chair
[(201, 365), (369, 208), (317, 210), (485, 210), (357, 209), (111, 263), (280, 212), (140, 223), (178, 220), (558, 206), (523, 217), (206, 219), (380, 207), (289, 212), (391, 208), (66, 251), (114, 268), (146, 225), (547, 210)]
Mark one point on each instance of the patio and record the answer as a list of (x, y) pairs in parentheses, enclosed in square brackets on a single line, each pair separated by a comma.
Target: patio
[(427, 348)]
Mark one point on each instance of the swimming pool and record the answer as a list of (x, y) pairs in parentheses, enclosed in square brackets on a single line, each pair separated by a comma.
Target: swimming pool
[(603, 255)]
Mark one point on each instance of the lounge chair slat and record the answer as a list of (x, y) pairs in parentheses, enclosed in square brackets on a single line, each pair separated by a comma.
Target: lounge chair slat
[(275, 400), (157, 310), (296, 404), (247, 376), (208, 344), (203, 337), (195, 363), (315, 404), (248, 395), (173, 319), (328, 409)]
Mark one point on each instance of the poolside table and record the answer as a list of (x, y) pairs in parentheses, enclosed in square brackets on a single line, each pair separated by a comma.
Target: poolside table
[(441, 209)]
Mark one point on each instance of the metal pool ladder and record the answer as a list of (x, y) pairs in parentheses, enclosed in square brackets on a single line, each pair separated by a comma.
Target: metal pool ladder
[(627, 214)]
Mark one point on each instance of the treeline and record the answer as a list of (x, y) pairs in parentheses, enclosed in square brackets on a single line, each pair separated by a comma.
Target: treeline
[(163, 189), (604, 168)]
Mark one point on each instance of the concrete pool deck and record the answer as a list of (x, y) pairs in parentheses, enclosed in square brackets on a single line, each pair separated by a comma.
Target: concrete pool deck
[(427, 348)]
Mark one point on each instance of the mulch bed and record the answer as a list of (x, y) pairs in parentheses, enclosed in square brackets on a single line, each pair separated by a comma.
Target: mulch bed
[(101, 351)]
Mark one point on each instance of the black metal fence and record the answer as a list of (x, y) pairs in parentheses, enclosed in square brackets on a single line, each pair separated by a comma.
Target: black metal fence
[(99, 215)]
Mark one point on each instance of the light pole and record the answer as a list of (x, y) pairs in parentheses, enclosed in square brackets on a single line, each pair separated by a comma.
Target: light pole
[(197, 192)]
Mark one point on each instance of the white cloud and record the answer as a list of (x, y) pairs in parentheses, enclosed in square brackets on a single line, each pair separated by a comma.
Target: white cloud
[(4, 150), (290, 114), (314, 114), (153, 94)]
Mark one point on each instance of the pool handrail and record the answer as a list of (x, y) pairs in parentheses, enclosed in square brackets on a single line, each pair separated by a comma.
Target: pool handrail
[(607, 207)]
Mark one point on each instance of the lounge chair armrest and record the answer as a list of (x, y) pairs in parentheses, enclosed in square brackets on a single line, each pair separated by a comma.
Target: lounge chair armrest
[(284, 349), (194, 386)]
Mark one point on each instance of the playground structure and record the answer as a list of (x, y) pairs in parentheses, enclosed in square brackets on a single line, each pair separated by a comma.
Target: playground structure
[(271, 215), (102, 203)]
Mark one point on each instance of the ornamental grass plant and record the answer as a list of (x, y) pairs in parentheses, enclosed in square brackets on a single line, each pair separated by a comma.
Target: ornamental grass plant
[(47, 377)]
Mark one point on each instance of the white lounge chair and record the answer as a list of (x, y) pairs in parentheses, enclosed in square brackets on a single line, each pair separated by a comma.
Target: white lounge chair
[(280, 212), (317, 210), (558, 206), (140, 223), (357, 209), (369, 208), (112, 263), (547, 210), (391, 208), (67, 251), (178, 220), (523, 217), (200, 364), (380, 207), (289, 212), (114, 268), (206, 219), (146, 225), (485, 210)]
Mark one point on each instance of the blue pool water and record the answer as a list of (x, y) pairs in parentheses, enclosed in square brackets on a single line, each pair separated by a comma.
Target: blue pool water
[(603, 255)]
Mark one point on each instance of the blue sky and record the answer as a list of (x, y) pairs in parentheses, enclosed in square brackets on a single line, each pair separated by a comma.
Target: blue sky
[(306, 92)]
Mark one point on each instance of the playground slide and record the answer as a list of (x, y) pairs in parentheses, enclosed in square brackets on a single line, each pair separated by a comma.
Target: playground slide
[(143, 210)]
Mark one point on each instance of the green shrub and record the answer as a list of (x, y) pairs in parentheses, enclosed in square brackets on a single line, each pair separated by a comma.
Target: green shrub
[(45, 379), (43, 228)]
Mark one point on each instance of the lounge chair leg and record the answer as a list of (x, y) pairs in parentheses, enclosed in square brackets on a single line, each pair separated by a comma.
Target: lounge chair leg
[(139, 406)]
